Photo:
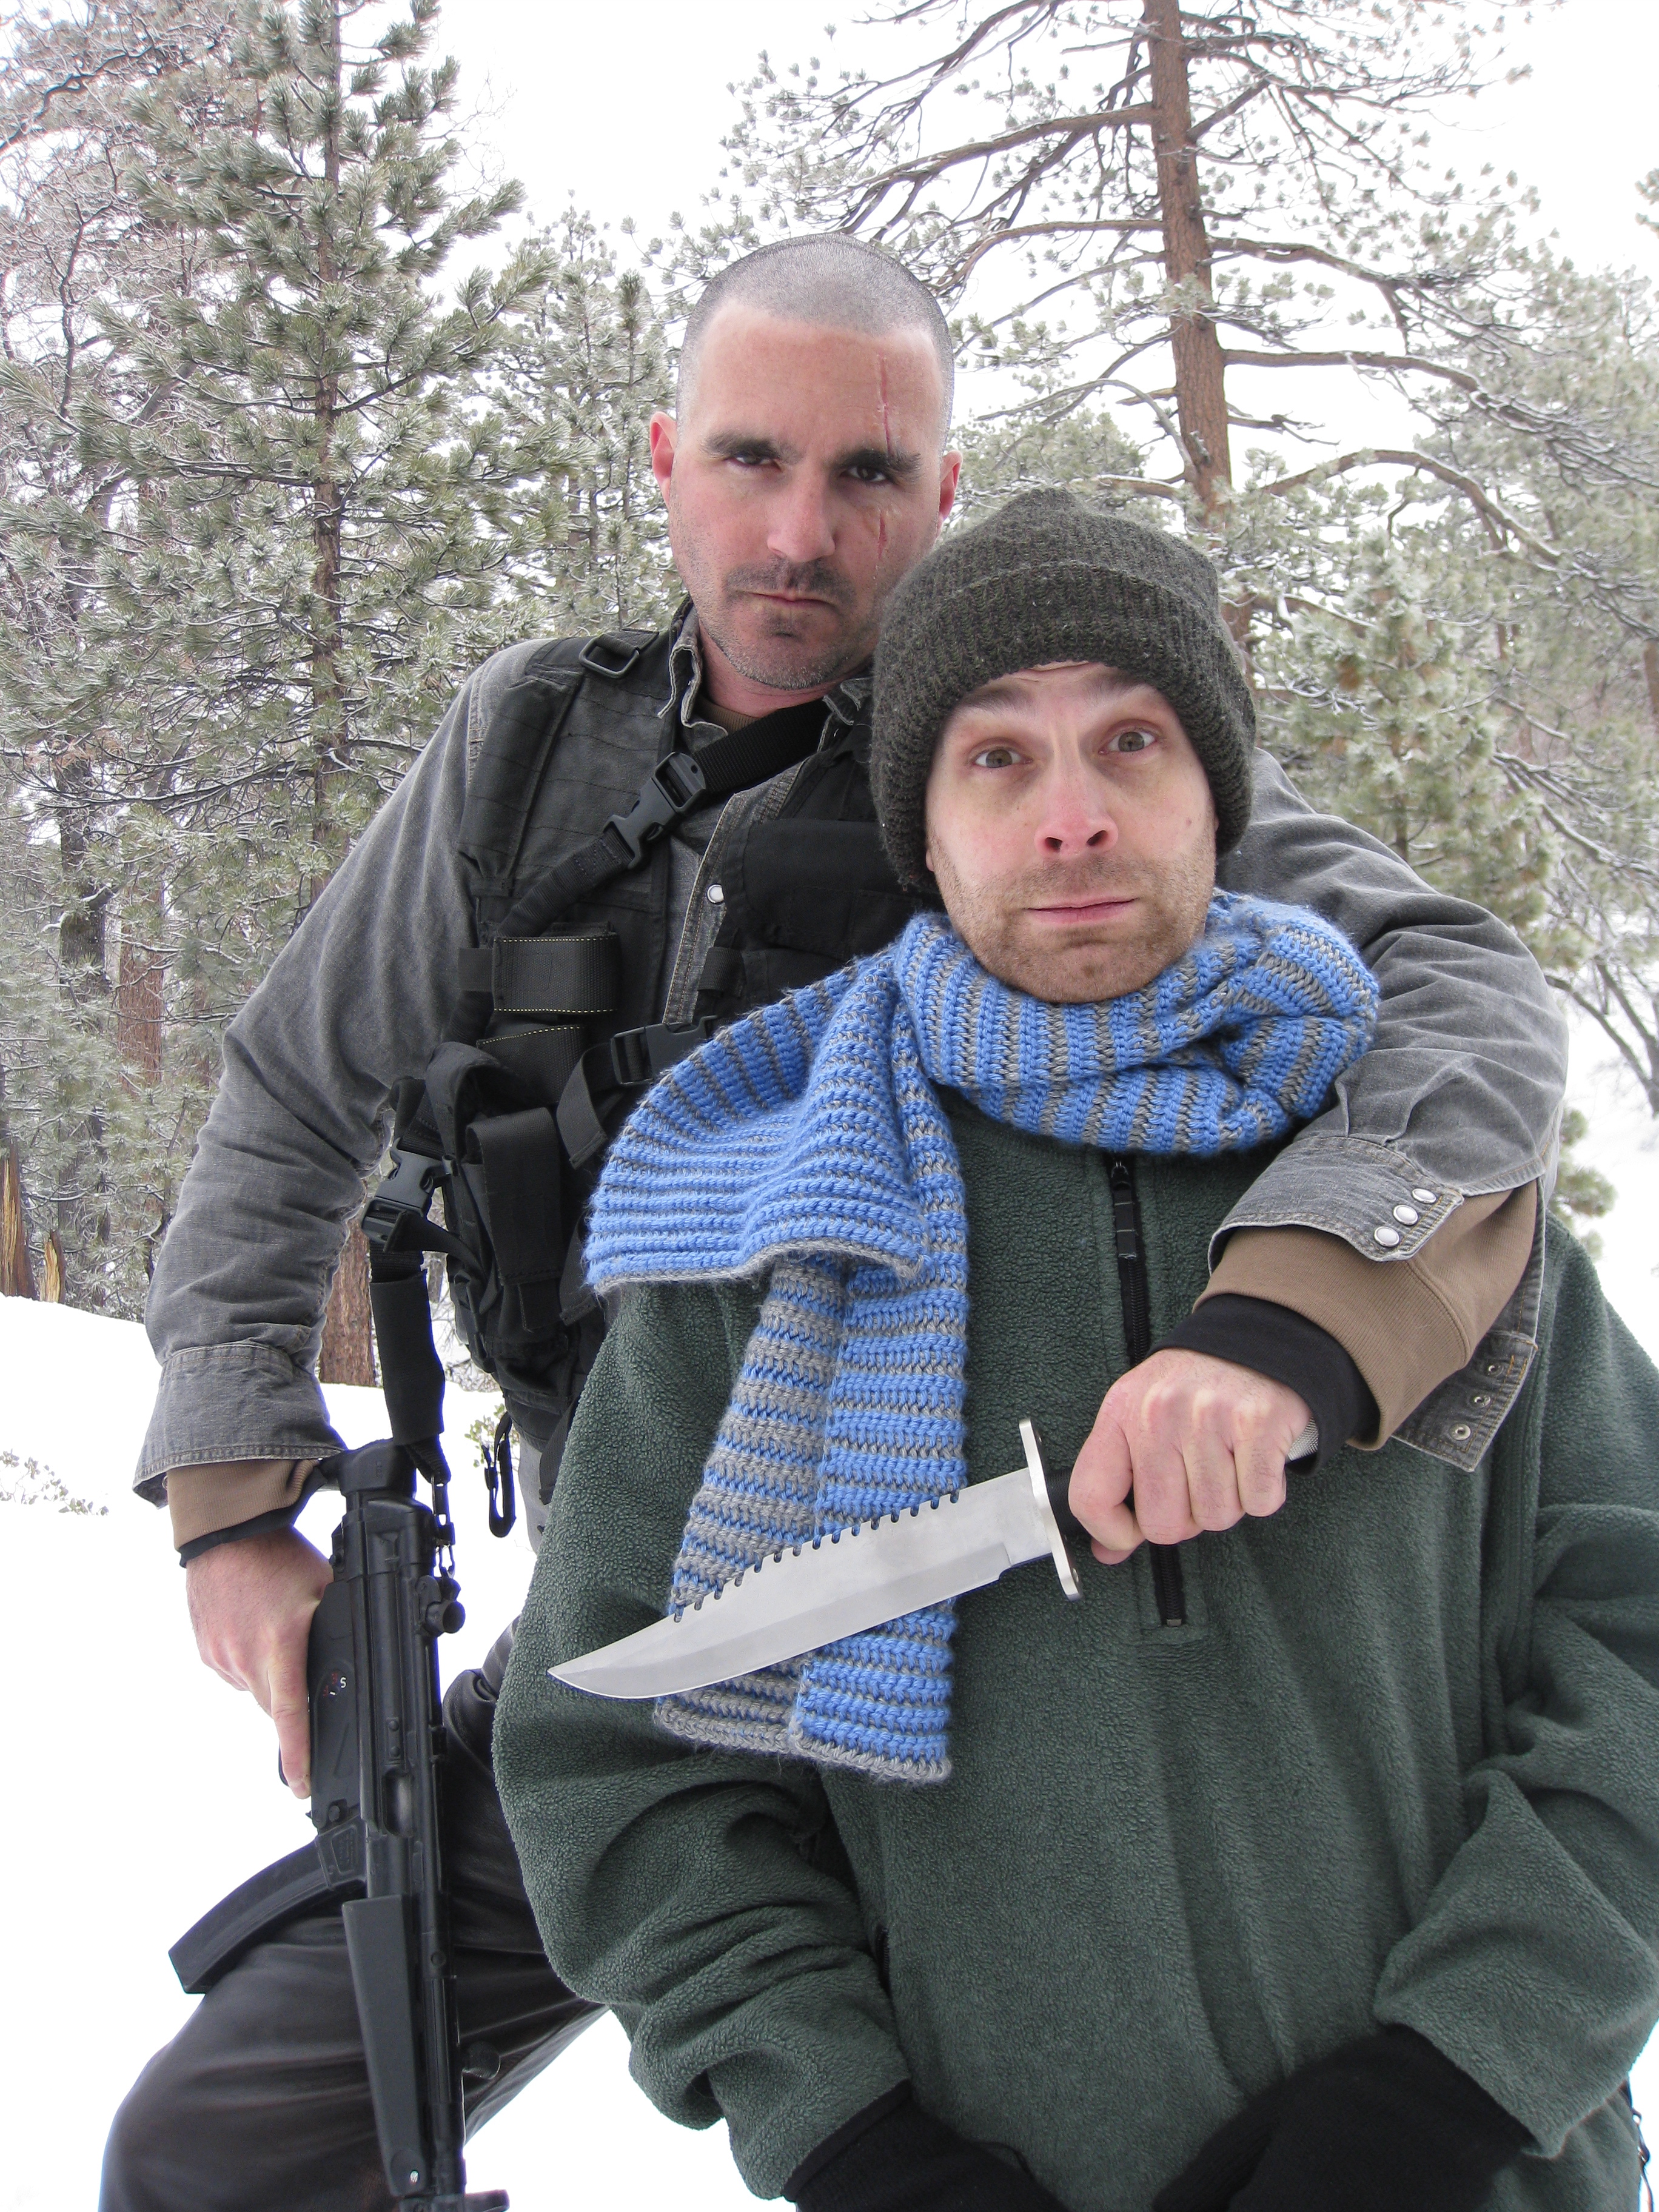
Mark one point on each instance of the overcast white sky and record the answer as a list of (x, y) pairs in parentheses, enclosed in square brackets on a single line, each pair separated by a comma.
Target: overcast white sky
[(625, 106)]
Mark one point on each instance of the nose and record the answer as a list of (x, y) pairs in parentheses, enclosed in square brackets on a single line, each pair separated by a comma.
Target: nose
[(801, 529), (1073, 816)]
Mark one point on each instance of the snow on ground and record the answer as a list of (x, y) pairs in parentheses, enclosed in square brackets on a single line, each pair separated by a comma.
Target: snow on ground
[(141, 1789)]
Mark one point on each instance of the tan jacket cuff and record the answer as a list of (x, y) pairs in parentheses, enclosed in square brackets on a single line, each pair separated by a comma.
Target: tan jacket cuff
[(1405, 1324), (202, 1499)]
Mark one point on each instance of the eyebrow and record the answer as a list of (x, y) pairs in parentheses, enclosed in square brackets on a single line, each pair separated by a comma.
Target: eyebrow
[(726, 445), (902, 466)]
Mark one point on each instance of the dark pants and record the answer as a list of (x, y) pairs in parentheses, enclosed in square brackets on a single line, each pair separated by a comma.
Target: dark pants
[(260, 2103)]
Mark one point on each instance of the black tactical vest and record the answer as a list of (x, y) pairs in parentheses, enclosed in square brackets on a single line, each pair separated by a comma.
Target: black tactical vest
[(556, 1029)]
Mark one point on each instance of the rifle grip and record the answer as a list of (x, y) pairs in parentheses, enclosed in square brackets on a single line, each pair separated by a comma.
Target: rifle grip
[(331, 1682)]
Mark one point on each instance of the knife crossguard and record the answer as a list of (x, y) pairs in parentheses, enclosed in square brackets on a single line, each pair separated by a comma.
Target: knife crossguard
[(1052, 1494)]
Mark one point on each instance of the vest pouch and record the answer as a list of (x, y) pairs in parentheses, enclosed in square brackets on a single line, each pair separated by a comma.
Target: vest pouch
[(823, 889), (506, 1202), (542, 1057), (509, 1183), (804, 897)]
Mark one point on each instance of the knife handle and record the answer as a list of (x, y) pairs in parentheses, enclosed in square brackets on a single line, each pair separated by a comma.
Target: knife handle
[(1059, 1486)]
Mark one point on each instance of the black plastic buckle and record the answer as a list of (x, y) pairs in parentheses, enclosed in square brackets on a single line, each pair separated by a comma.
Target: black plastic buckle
[(640, 1056), (405, 1193), (630, 1063), (592, 655), (676, 786)]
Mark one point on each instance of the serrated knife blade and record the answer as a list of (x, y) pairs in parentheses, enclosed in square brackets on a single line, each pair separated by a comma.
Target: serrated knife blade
[(812, 1594)]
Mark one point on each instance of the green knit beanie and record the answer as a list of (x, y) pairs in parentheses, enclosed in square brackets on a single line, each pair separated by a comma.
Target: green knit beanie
[(1049, 577)]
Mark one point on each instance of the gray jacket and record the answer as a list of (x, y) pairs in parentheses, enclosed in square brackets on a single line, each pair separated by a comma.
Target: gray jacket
[(1459, 1096)]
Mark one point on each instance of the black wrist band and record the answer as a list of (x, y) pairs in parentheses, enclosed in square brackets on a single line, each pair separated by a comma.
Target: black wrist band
[(262, 1524), (1287, 1348)]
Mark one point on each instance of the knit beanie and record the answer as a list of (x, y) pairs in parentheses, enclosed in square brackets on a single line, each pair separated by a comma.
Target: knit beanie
[(1050, 577)]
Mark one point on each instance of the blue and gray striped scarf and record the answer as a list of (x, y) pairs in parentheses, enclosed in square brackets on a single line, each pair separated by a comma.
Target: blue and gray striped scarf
[(806, 1145)]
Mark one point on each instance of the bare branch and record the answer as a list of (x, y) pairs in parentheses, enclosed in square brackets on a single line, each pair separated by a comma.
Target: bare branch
[(1393, 457)]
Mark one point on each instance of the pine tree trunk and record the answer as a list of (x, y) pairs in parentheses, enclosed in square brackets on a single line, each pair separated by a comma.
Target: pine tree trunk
[(16, 1276), (138, 1003), (81, 930), (347, 1353), (52, 1272), (1200, 371)]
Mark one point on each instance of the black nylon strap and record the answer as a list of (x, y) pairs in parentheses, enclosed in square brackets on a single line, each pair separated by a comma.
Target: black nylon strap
[(262, 1524), (762, 749), (411, 1374), (578, 975), (627, 1061)]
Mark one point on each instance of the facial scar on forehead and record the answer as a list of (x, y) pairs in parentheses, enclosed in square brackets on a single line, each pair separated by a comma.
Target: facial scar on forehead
[(887, 441)]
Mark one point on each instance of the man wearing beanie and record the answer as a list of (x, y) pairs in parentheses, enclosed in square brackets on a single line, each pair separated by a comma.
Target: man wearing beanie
[(1307, 1866)]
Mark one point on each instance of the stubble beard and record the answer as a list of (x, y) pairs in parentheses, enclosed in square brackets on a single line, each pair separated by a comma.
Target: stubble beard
[(783, 662), (770, 649), (764, 642), (995, 923)]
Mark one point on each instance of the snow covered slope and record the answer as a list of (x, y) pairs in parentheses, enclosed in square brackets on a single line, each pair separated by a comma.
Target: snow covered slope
[(141, 1788)]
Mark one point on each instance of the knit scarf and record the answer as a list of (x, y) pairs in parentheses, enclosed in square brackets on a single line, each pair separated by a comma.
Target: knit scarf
[(806, 1146)]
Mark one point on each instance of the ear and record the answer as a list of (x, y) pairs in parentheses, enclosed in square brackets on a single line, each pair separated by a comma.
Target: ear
[(664, 438), (950, 476)]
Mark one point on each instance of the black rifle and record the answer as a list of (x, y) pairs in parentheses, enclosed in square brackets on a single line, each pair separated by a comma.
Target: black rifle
[(377, 1740), (377, 1748)]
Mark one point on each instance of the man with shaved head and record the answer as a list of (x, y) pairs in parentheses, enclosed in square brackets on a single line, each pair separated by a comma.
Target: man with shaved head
[(610, 846)]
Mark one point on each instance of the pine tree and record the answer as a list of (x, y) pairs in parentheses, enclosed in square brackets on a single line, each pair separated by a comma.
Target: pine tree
[(268, 496), (575, 384)]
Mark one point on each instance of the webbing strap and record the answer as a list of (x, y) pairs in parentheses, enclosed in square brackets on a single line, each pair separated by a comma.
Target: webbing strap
[(607, 1070), (578, 975), (411, 1374), (676, 785)]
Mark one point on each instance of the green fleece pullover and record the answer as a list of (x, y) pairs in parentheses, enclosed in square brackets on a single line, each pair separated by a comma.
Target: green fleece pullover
[(1403, 1764)]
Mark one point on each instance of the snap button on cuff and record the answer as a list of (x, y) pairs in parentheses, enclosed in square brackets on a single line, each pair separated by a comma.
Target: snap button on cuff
[(1425, 1197), (1406, 1213), (1386, 1236), (1463, 1432)]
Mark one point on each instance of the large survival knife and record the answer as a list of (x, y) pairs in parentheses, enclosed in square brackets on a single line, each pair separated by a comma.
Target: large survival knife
[(807, 1594)]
